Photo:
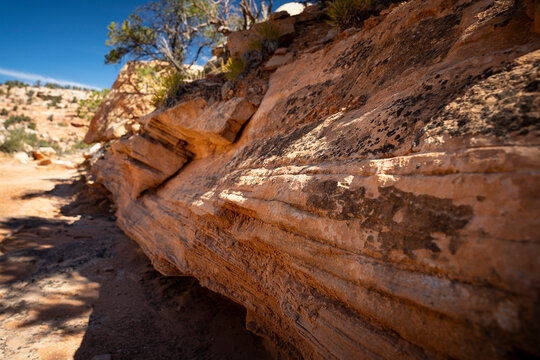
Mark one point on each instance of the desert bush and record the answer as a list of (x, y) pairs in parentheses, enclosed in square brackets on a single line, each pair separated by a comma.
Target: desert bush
[(77, 146), (168, 87), (348, 13), (74, 100), (54, 100), (267, 41), (269, 31), (53, 86), (15, 108), (14, 83), (50, 118), (256, 44), (4, 112), (30, 93), (233, 68), (15, 140), (16, 119)]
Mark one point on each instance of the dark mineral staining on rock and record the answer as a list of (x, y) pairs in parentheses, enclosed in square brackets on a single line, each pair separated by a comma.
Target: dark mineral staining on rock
[(419, 215)]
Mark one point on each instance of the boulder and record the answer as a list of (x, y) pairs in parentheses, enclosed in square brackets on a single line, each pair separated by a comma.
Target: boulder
[(92, 151), (21, 157), (43, 152), (239, 42), (291, 9), (45, 162), (129, 99)]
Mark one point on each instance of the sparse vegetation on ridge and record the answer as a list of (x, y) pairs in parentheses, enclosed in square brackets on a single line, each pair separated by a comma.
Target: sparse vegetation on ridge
[(233, 68), (347, 13), (17, 119)]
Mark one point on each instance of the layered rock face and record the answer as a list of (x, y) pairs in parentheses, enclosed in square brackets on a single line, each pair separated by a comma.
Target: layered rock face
[(382, 200)]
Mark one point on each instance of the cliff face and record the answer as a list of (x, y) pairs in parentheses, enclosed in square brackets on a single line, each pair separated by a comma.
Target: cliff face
[(381, 201)]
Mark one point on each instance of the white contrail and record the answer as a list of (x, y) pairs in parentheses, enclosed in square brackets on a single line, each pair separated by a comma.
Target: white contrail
[(44, 79)]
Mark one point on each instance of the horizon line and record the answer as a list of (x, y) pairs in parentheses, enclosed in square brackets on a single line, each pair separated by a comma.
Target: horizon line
[(19, 75)]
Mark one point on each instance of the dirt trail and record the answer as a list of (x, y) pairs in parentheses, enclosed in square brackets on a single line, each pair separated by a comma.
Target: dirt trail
[(73, 286)]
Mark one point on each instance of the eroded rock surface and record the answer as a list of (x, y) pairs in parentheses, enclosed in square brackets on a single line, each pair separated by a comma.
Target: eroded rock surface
[(381, 202), (130, 98)]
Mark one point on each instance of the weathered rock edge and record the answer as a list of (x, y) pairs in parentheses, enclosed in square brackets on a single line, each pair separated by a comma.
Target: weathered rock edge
[(382, 201)]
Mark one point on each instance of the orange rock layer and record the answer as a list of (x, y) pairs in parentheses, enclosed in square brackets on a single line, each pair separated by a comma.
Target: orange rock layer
[(382, 200)]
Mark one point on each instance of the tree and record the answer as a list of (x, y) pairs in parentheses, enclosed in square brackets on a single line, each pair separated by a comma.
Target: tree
[(168, 29), (159, 30)]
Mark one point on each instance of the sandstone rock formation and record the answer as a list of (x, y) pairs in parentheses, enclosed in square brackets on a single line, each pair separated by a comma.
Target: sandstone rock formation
[(381, 202), (129, 98)]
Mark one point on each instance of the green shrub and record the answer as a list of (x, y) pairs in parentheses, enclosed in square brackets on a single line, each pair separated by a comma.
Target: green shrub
[(16, 139), (169, 85), (269, 31), (1, 92), (256, 44), (14, 83), (53, 86), (77, 146), (16, 119), (30, 93), (4, 112), (74, 100), (348, 13), (233, 68), (54, 100), (15, 108), (50, 118)]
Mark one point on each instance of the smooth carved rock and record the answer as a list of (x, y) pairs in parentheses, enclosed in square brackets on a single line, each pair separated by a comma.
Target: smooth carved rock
[(382, 202)]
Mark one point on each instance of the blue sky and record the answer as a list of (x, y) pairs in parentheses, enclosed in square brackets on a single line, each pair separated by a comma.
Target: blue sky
[(60, 41)]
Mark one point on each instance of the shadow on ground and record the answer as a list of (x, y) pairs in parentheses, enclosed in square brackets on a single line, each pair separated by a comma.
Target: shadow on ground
[(78, 286)]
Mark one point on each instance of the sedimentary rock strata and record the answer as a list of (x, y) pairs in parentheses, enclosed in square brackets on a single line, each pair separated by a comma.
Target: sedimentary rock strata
[(382, 201)]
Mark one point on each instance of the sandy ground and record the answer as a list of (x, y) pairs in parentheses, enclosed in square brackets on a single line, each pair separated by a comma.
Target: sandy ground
[(73, 286)]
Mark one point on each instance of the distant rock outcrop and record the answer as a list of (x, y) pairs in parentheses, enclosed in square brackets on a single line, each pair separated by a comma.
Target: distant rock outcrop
[(130, 98), (381, 201)]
